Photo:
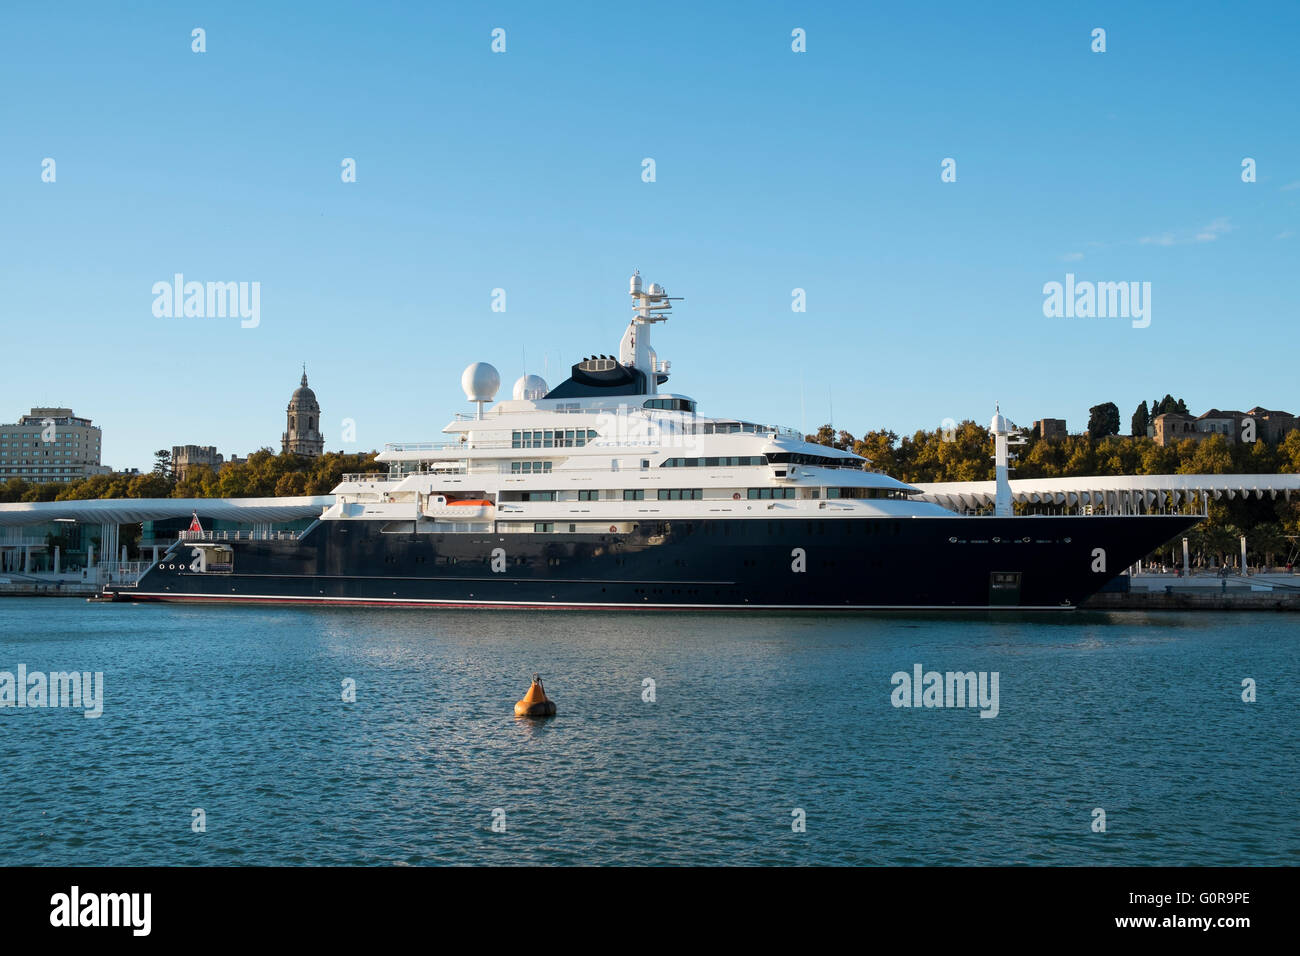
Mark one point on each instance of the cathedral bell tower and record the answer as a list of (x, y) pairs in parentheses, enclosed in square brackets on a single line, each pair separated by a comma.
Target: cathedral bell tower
[(303, 437)]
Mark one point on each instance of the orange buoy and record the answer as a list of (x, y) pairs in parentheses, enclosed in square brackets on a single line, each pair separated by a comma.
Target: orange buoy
[(535, 702)]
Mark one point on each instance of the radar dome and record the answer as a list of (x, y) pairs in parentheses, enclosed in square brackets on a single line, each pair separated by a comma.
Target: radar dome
[(530, 388), (999, 424), (636, 283), (656, 289), (480, 382)]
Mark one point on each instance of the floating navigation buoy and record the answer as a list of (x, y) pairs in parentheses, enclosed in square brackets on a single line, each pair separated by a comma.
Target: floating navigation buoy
[(535, 702)]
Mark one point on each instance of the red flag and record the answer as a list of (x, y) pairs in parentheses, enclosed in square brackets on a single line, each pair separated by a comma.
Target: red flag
[(194, 522)]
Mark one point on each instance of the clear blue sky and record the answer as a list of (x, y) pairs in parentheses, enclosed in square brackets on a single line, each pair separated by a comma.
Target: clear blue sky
[(522, 170)]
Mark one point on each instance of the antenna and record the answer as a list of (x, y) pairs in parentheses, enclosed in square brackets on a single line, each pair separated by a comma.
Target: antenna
[(803, 416), (651, 304)]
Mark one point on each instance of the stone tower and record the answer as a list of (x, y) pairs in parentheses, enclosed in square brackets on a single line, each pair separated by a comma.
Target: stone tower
[(303, 435)]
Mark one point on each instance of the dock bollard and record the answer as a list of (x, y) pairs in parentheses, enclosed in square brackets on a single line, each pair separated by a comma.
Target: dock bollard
[(535, 702)]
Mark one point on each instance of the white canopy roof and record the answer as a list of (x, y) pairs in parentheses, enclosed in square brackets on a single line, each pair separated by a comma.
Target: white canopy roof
[(132, 510), (1110, 491)]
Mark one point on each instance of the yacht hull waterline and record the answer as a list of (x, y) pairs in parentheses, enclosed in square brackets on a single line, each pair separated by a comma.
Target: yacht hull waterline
[(728, 564), (610, 492)]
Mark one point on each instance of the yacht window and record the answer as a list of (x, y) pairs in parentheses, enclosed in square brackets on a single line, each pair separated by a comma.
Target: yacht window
[(671, 404), (825, 461), (681, 494), (858, 493), (772, 492), (551, 437), (740, 460)]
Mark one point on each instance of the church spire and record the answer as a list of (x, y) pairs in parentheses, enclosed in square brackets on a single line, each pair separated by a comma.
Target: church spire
[(302, 434)]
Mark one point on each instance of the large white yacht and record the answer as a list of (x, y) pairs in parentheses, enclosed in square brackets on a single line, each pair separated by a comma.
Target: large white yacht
[(608, 491)]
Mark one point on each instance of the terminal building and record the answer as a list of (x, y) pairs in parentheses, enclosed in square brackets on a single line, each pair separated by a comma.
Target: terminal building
[(50, 445)]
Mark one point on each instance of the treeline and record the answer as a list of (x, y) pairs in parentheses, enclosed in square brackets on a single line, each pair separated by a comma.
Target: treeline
[(264, 475), (965, 453), (1103, 419)]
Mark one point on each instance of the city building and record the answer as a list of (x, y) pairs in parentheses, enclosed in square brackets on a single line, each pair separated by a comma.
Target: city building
[(302, 436), (1050, 428), (1216, 422), (1269, 426), (1273, 426), (187, 457), (49, 445), (1173, 427)]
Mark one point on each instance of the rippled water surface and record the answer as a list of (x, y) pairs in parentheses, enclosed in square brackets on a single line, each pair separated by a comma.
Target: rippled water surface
[(238, 711)]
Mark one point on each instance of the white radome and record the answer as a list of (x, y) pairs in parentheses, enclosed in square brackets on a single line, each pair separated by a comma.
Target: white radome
[(530, 388), (480, 382), (656, 289)]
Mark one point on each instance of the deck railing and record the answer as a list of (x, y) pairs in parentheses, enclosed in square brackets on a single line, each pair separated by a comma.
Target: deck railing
[(240, 535)]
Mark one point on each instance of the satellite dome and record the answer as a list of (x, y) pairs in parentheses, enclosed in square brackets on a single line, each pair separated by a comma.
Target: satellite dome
[(530, 388), (636, 283), (480, 382), (656, 289), (999, 425)]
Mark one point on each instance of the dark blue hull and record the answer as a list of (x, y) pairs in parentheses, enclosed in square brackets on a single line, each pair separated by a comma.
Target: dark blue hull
[(843, 563)]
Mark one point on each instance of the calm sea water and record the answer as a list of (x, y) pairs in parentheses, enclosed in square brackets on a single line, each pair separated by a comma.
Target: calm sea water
[(238, 711)]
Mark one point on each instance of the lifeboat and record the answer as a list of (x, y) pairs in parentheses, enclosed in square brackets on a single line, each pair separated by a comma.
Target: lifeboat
[(455, 509)]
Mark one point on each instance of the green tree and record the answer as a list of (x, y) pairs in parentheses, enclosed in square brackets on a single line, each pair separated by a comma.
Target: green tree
[(880, 449), (291, 485), (153, 485), (1288, 453), (1141, 419), (1103, 420), (1212, 456), (162, 463), (1168, 404), (43, 492), (199, 482), (828, 436), (13, 490)]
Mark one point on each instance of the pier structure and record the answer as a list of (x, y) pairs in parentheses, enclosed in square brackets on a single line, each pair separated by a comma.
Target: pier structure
[(26, 529)]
